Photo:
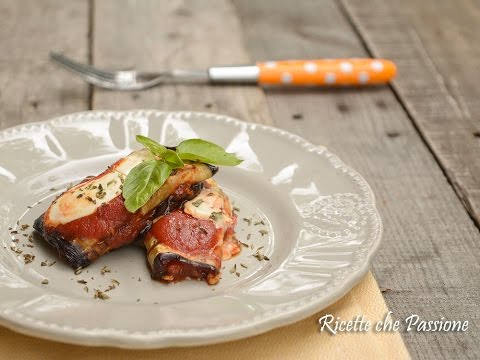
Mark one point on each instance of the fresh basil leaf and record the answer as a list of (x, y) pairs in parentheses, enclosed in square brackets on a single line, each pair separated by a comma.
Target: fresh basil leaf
[(154, 147), (143, 181), (161, 151), (207, 152), (172, 158)]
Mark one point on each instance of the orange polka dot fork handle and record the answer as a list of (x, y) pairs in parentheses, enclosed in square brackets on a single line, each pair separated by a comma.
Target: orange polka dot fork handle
[(324, 72)]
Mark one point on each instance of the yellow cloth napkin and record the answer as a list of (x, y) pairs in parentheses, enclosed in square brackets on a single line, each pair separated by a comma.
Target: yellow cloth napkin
[(302, 340)]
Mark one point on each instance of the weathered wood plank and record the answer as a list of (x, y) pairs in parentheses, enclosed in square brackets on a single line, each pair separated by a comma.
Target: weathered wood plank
[(429, 255), (155, 35), (31, 88), (436, 47)]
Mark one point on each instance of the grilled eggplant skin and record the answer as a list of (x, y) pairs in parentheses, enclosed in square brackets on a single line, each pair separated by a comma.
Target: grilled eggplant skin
[(90, 219), (173, 267), (67, 250)]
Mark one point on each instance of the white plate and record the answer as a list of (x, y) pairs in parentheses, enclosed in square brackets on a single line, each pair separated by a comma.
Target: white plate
[(320, 215)]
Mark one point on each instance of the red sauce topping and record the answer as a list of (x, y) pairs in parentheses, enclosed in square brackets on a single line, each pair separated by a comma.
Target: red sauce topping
[(186, 234), (106, 219)]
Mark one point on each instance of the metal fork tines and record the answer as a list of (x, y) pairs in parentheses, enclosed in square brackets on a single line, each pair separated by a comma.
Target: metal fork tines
[(125, 79)]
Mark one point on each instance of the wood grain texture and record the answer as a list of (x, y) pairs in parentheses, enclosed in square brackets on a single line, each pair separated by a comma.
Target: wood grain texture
[(429, 257), (436, 47), (31, 88), (430, 253), (154, 35)]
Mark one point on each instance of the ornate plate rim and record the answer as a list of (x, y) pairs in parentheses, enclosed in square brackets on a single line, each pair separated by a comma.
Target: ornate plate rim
[(159, 339)]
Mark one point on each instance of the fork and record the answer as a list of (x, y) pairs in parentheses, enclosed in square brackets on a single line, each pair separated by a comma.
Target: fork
[(321, 72)]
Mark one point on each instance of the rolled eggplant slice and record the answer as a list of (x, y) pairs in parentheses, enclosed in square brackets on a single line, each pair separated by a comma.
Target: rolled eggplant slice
[(90, 219), (191, 242)]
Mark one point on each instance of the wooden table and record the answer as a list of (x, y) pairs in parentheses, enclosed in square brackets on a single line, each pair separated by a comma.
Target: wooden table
[(417, 141)]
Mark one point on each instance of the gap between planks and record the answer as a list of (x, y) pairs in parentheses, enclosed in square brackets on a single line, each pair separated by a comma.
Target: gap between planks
[(90, 37)]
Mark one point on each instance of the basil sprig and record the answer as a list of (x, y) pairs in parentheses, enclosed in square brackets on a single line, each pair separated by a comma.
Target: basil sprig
[(169, 156), (147, 177)]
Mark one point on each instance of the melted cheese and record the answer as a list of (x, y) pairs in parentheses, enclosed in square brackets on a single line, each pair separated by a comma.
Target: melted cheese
[(82, 200), (128, 163), (211, 203)]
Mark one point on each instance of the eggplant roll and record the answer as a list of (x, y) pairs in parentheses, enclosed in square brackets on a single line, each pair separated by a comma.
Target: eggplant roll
[(192, 241), (90, 219)]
